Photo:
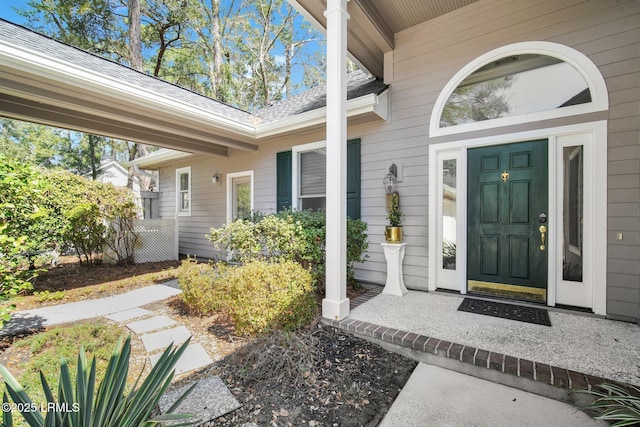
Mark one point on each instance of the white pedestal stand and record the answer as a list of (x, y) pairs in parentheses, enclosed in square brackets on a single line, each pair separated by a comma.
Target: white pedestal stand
[(394, 253)]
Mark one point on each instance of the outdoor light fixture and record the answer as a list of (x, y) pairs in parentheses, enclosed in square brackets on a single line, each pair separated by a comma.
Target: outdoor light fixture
[(391, 179), (216, 179)]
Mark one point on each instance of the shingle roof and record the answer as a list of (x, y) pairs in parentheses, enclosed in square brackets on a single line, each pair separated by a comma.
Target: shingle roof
[(359, 83), (28, 39)]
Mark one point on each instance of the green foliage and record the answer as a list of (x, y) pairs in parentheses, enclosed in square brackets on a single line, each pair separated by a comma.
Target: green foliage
[(52, 208), (85, 231), (108, 404), (395, 214), (290, 235), (15, 278), (201, 284), (617, 404), (261, 296)]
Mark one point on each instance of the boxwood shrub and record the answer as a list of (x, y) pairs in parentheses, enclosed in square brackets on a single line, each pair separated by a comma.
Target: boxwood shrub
[(258, 296)]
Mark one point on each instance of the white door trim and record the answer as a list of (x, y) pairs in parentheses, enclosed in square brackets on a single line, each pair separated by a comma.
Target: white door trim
[(230, 177), (595, 166)]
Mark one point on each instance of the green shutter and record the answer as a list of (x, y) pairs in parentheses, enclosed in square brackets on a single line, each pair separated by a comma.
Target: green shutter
[(284, 178), (353, 178), (283, 181)]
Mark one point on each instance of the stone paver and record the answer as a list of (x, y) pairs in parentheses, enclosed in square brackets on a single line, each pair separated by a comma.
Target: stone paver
[(123, 316), (194, 357), (160, 340), (208, 400), (151, 324)]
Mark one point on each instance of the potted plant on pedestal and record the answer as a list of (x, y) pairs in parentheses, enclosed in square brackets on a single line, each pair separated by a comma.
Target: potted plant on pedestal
[(393, 232)]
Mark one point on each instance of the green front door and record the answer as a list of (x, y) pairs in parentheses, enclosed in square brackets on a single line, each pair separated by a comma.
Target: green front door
[(507, 206)]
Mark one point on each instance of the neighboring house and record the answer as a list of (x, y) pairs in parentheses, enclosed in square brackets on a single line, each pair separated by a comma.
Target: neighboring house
[(114, 173), (515, 127)]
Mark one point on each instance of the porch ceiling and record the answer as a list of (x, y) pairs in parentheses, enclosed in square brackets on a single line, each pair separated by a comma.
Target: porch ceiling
[(374, 23)]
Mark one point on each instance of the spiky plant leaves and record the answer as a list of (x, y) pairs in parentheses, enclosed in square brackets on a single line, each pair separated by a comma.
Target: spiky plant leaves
[(7, 418), (109, 406), (616, 404)]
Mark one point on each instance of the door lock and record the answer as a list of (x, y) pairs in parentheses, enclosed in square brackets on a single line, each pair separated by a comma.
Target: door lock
[(543, 235), (542, 217)]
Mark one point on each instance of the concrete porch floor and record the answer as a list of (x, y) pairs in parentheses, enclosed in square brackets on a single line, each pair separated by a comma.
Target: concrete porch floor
[(577, 352)]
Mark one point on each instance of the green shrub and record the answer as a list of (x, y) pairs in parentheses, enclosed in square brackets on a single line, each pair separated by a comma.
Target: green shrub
[(290, 235), (85, 231), (263, 296), (201, 285)]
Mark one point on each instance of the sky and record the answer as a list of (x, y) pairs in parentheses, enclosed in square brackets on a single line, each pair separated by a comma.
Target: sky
[(7, 13)]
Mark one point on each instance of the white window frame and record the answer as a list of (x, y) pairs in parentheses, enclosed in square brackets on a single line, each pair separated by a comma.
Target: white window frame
[(582, 64), (295, 169), (179, 210), (230, 177)]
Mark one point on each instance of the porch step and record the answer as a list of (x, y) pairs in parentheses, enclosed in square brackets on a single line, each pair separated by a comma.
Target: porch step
[(535, 377)]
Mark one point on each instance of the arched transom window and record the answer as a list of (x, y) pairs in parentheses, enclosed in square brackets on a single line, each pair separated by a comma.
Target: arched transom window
[(519, 83)]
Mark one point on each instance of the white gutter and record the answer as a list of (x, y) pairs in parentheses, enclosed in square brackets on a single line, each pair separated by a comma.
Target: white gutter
[(34, 62), (371, 103), (158, 157)]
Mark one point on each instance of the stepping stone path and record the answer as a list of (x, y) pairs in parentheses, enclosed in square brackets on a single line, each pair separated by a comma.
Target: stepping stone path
[(211, 398)]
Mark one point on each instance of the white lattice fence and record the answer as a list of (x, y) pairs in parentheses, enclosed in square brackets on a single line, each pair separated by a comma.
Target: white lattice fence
[(158, 240)]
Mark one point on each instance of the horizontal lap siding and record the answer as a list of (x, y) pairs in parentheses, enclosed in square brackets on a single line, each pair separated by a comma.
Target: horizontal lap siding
[(427, 56)]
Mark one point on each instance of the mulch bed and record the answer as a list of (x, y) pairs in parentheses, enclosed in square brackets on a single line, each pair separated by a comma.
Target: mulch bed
[(319, 377)]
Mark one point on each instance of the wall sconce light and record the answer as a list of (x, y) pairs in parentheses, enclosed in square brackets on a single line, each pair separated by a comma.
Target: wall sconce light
[(389, 182), (391, 179), (217, 179)]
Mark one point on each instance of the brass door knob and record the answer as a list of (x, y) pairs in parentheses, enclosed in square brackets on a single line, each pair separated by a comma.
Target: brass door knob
[(543, 235)]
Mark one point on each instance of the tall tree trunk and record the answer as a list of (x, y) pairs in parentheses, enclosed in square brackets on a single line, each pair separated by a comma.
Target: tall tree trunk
[(135, 58), (217, 49), (135, 38), (92, 155)]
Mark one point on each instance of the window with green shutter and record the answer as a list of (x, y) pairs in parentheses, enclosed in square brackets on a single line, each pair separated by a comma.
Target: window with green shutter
[(310, 188)]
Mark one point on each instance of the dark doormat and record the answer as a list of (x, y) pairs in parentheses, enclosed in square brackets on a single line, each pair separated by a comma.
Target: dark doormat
[(539, 316)]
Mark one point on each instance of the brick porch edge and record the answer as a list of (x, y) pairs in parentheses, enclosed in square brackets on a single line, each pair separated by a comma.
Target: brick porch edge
[(540, 378)]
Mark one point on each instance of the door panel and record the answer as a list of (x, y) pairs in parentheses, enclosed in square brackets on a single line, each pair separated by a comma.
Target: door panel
[(507, 191)]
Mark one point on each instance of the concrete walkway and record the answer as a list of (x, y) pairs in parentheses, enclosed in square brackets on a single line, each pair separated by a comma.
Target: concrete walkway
[(434, 396), (72, 312)]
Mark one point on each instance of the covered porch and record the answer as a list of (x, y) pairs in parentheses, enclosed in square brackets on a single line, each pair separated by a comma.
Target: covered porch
[(579, 351)]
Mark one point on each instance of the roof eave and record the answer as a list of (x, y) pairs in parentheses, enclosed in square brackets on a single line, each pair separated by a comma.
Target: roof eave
[(157, 158), (370, 103)]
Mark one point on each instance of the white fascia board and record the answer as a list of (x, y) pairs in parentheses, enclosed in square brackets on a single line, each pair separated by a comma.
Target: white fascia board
[(33, 62), (370, 103), (158, 157)]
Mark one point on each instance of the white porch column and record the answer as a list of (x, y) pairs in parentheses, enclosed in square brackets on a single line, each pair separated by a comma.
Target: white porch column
[(335, 305)]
